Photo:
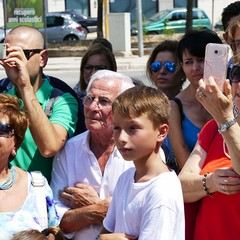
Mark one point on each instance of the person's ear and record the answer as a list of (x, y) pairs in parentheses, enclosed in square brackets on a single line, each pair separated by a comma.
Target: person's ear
[(162, 132), (14, 152), (44, 58), (225, 37)]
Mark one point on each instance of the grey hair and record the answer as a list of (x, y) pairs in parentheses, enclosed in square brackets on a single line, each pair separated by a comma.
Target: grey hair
[(126, 82)]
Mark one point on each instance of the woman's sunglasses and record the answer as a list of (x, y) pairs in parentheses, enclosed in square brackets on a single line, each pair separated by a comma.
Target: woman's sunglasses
[(169, 66), (6, 130), (234, 74)]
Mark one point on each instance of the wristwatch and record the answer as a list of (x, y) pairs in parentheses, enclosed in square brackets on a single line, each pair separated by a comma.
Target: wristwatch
[(225, 126)]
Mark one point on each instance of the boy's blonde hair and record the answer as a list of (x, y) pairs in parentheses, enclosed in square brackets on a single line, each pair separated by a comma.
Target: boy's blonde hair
[(143, 100)]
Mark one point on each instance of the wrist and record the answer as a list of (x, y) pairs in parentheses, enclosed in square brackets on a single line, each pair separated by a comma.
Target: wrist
[(204, 184), (224, 126)]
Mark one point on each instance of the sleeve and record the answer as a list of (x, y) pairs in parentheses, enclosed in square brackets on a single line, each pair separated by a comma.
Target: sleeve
[(59, 180), (65, 113), (207, 134)]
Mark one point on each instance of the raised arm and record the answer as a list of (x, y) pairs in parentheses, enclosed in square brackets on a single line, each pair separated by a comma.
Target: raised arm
[(48, 137), (220, 106)]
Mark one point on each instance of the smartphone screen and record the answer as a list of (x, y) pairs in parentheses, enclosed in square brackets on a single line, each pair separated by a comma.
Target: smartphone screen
[(215, 63)]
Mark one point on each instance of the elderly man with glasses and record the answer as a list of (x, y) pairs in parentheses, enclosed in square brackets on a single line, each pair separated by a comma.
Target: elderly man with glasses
[(86, 170), (26, 58)]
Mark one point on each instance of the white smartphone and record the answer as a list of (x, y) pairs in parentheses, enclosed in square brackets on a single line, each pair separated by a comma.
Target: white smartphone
[(3, 51), (215, 63)]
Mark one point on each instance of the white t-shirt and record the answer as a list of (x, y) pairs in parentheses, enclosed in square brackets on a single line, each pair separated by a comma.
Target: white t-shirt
[(76, 163), (150, 210)]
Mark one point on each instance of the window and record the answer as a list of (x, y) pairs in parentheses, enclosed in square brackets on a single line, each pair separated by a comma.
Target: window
[(199, 15), (53, 21), (178, 16)]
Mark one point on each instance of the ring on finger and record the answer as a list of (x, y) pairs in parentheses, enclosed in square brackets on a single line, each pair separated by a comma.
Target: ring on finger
[(201, 94)]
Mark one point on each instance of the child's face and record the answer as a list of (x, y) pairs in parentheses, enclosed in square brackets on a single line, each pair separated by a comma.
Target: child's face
[(135, 138)]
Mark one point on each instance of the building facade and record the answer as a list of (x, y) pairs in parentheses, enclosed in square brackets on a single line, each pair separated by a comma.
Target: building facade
[(213, 8)]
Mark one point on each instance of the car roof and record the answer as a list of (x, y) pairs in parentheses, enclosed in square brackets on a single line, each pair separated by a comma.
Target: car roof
[(68, 12), (57, 13), (183, 9)]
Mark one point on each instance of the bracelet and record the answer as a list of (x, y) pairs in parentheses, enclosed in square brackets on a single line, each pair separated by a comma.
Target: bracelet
[(204, 184), (98, 236)]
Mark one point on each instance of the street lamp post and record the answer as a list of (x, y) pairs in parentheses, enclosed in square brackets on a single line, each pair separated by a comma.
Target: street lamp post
[(140, 29), (106, 14), (212, 14)]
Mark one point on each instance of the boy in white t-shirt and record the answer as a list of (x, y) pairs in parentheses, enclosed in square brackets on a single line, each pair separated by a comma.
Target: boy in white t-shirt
[(147, 202)]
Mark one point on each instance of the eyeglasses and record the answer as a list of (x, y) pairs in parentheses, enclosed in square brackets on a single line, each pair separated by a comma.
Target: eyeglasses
[(234, 74), (6, 130), (28, 51), (169, 66), (102, 102), (89, 68)]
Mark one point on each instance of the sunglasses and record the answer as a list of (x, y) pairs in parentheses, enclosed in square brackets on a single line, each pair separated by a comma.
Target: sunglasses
[(169, 66), (234, 74), (89, 67), (6, 130), (27, 52)]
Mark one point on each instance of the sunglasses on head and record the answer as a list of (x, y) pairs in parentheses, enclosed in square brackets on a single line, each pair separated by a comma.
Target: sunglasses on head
[(234, 74), (6, 130), (169, 66)]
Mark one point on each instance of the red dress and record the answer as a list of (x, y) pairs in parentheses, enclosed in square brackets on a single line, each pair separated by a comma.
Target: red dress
[(219, 215)]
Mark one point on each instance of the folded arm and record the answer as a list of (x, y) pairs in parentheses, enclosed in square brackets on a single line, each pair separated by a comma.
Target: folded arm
[(80, 218), (192, 182)]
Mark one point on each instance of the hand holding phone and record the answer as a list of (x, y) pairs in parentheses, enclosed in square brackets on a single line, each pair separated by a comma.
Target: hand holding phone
[(215, 63)]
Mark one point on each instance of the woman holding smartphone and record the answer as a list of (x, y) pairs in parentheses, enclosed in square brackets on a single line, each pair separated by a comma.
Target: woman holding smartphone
[(187, 115), (212, 172)]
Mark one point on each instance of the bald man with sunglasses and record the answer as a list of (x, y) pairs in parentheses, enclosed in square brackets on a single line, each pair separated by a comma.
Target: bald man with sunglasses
[(26, 58)]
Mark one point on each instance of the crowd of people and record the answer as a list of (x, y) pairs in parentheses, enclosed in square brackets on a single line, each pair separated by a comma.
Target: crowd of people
[(113, 159)]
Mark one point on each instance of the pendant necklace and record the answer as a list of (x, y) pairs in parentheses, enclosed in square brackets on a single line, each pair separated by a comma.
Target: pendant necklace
[(11, 178)]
